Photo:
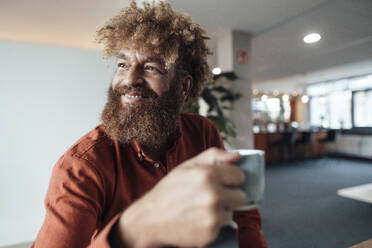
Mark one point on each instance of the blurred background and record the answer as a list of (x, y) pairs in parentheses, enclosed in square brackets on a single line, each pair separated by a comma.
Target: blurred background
[(303, 71)]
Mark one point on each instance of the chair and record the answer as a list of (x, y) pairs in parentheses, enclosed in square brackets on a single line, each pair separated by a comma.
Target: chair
[(285, 146), (306, 142), (331, 136)]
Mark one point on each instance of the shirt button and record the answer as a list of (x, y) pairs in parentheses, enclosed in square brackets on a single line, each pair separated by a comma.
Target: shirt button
[(156, 165)]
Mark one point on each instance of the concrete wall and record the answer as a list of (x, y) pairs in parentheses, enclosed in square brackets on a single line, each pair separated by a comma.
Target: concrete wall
[(224, 49), (242, 114)]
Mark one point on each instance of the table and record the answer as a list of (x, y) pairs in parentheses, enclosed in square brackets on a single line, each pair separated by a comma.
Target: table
[(365, 244), (361, 193)]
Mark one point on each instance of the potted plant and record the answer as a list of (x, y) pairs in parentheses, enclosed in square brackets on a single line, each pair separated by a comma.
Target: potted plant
[(218, 100)]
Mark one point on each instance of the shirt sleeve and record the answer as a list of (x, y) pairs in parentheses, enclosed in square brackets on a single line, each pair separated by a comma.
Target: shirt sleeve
[(249, 232), (102, 240), (214, 136), (74, 205)]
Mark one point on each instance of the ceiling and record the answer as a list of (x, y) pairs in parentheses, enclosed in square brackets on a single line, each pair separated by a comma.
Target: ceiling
[(277, 27), (346, 29), (74, 22)]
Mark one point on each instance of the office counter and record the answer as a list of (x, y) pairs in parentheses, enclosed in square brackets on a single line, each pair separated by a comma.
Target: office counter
[(272, 144)]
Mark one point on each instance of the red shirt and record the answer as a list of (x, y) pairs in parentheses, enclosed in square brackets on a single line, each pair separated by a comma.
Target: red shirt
[(98, 178)]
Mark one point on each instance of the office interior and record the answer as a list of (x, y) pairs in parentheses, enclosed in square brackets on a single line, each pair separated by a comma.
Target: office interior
[(303, 70)]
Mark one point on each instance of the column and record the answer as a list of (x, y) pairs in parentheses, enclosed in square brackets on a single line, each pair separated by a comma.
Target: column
[(233, 54)]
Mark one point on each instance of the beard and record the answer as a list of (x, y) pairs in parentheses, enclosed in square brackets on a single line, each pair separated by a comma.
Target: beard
[(150, 122)]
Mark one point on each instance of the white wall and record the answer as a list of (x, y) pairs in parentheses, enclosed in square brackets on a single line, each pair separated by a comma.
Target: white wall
[(242, 114), (49, 97), (224, 48), (228, 44), (352, 145)]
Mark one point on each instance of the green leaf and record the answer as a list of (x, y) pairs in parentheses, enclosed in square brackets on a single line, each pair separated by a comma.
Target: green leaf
[(191, 108), (215, 96)]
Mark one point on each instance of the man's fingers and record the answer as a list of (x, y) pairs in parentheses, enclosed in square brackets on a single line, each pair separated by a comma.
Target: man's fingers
[(212, 157), (218, 163), (226, 217), (216, 156), (233, 198), (230, 175)]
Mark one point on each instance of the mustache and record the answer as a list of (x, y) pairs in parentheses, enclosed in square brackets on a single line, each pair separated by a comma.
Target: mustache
[(135, 90)]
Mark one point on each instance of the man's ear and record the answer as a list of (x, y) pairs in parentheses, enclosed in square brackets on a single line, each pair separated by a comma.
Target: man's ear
[(186, 86)]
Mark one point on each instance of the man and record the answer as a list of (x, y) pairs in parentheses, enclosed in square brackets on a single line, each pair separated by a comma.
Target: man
[(148, 176)]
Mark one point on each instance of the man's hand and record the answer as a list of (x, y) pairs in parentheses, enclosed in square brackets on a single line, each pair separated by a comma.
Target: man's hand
[(188, 207)]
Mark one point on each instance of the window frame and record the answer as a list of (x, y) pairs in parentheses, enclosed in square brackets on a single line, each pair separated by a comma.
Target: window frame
[(354, 129)]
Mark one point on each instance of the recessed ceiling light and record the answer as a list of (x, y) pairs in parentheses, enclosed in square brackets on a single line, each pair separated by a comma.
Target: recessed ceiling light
[(216, 71), (312, 38)]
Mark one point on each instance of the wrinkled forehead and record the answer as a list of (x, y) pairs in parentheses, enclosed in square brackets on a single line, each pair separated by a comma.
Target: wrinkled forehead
[(157, 52), (129, 53)]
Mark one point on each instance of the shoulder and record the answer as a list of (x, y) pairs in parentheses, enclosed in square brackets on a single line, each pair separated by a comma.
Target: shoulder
[(94, 142), (93, 155), (82, 175), (200, 128), (198, 121)]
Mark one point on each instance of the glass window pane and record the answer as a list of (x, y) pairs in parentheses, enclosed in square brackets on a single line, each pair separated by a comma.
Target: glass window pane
[(286, 110), (340, 110), (273, 106), (318, 111), (330, 103), (317, 89), (362, 113), (361, 83), (340, 85)]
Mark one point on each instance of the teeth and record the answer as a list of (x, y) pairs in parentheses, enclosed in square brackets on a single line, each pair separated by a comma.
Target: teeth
[(133, 96)]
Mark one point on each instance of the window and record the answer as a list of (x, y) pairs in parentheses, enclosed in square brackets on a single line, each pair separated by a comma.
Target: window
[(330, 105), (362, 114), (319, 111), (340, 109), (272, 109), (341, 103)]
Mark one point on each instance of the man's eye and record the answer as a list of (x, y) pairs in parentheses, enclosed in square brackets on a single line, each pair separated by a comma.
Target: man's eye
[(122, 65), (150, 68), (153, 69)]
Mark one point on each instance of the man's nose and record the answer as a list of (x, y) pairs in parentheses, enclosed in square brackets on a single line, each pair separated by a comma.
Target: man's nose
[(133, 77)]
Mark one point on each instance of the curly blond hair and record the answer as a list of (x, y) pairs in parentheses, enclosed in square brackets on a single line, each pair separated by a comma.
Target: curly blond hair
[(169, 34)]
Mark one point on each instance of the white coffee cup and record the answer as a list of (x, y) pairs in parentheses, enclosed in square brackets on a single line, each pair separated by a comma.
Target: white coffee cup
[(252, 163)]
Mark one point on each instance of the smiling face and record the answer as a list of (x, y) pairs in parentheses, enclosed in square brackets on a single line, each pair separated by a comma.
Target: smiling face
[(144, 100), (141, 76)]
